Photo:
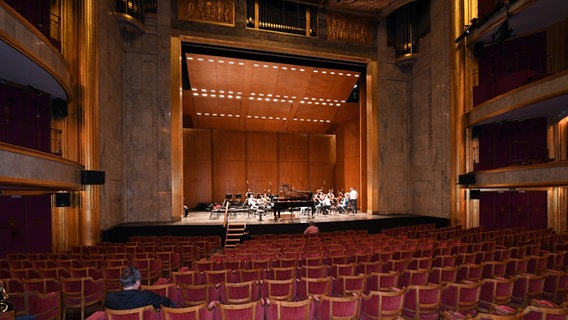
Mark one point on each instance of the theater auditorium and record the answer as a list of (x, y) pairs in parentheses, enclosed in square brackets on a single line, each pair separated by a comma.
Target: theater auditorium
[(197, 138)]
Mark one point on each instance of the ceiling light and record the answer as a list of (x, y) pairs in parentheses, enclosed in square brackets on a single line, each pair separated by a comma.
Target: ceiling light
[(198, 113), (237, 116)]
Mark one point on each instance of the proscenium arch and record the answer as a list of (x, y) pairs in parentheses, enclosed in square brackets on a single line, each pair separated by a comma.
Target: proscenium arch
[(368, 137)]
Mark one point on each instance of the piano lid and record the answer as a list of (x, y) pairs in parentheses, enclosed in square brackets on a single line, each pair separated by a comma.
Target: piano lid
[(289, 193)]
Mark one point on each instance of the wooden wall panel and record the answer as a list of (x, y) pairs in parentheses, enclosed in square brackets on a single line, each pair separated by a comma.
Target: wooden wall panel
[(293, 147), (322, 175), (295, 174), (322, 148), (228, 177), (262, 146), (197, 185), (229, 145), (197, 167), (219, 162), (352, 158), (196, 144), (262, 175)]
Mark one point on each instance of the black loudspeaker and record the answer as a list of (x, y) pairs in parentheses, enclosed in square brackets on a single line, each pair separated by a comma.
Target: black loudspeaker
[(92, 177), (466, 179), (63, 199), (474, 194), (59, 108)]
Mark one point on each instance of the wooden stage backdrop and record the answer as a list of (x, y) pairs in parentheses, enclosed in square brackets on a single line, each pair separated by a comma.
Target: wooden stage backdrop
[(219, 162)]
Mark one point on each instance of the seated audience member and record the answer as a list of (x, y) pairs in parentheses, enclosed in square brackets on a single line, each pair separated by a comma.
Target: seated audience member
[(131, 296), (311, 230)]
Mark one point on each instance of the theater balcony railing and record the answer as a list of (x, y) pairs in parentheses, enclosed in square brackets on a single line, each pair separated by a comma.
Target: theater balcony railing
[(130, 15)]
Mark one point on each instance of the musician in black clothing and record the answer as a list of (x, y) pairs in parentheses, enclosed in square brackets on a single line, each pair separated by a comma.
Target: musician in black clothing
[(131, 296)]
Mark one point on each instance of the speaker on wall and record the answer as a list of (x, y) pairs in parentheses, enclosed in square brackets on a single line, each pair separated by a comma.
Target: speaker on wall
[(59, 108), (63, 199), (466, 179), (474, 194), (92, 177)]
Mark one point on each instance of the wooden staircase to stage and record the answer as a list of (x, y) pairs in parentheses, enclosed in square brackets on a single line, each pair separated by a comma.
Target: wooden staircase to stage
[(234, 233)]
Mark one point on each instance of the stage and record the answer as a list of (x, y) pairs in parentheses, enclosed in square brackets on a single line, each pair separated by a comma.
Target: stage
[(201, 223)]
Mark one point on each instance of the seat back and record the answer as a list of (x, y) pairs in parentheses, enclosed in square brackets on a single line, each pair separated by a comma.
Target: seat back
[(349, 285), (199, 312), (460, 296), (338, 307), (240, 292), (282, 290), (143, 313), (422, 301), (252, 311), (382, 280), (384, 304), (292, 310), (196, 294), (165, 290), (313, 287), (44, 306)]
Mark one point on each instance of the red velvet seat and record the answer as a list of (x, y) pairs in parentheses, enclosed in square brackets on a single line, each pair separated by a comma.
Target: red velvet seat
[(382, 280), (443, 275), (199, 312), (169, 290), (349, 285), (336, 270), (545, 313), (78, 293), (460, 297), (470, 271), (111, 276), (248, 311), (143, 313), (495, 292), (307, 287), (413, 277), (186, 277), (290, 310), (337, 307), (42, 285), (196, 294), (556, 286), (284, 273), (257, 274), (240, 292), (315, 271), (384, 304), (422, 302), (44, 306), (284, 290), (526, 288)]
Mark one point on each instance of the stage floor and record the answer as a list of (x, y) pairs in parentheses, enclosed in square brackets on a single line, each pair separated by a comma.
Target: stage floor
[(199, 223), (206, 218)]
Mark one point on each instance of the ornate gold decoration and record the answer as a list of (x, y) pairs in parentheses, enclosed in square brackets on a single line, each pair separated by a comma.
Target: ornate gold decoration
[(349, 28), (211, 11)]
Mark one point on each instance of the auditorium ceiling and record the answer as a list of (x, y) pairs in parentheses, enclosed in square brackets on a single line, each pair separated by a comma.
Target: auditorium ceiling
[(233, 93)]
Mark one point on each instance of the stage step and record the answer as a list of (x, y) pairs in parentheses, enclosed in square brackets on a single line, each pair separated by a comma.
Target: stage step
[(234, 234)]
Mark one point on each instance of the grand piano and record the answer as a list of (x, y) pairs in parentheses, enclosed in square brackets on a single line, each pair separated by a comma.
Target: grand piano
[(289, 198)]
